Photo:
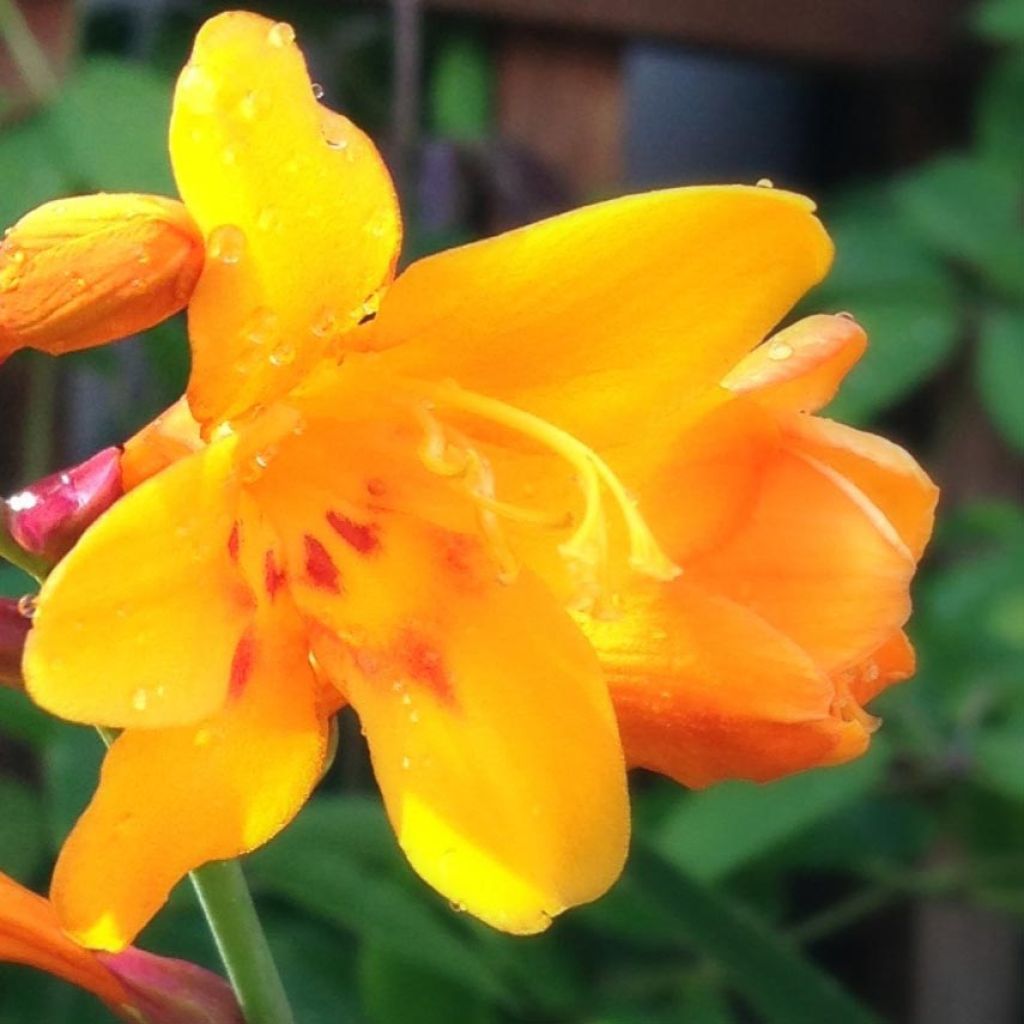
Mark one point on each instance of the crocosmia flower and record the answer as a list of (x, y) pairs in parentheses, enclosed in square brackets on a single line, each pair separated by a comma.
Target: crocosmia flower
[(540, 509)]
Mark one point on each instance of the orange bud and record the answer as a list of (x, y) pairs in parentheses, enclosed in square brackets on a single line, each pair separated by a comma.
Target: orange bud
[(81, 272)]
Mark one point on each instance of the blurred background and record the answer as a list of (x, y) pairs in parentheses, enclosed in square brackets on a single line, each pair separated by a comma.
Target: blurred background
[(888, 890)]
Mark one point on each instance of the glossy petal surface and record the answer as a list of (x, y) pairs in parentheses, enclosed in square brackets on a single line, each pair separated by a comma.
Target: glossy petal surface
[(299, 214), (138, 625), (613, 319), (490, 729), (169, 800)]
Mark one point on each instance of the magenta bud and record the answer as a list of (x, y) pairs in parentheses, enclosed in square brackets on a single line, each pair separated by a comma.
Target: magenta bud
[(165, 991), (15, 621), (46, 518)]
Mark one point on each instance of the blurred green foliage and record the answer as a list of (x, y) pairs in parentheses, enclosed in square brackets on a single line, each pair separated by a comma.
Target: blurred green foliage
[(710, 924)]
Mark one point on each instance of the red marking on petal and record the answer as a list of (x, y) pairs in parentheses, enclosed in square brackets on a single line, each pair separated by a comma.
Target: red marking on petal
[(424, 664), (242, 665), (376, 487), (273, 575), (320, 569), (360, 536), (234, 541)]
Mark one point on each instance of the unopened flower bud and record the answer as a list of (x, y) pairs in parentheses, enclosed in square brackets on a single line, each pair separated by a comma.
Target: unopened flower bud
[(84, 271), (165, 991), (14, 627), (46, 518)]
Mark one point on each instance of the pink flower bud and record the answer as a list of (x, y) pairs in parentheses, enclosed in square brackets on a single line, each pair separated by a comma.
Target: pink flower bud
[(46, 518), (165, 991), (14, 627)]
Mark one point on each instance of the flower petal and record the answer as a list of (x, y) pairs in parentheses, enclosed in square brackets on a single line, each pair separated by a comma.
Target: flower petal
[(159, 444), (139, 624), (612, 319), (705, 690), (30, 934), (496, 751), (816, 559), (881, 470), (800, 368), (893, 662), (170, 800), (299, 213)]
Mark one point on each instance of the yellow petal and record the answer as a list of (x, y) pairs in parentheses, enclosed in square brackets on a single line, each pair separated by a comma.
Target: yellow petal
[(706, 690), (170, 800), (140, 623), (81, 272), (488, 722), (800, 368), (614, 319), (299, 213)]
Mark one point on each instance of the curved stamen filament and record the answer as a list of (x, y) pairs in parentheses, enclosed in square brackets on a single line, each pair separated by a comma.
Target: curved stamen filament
[(587, 548)]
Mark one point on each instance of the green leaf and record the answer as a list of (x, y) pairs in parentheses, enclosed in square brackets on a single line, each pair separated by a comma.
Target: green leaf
[(768, 973), (340, 862), (720, 830), (462, 87), (999, 372), (899, 291), (71, 766), (112, 119), (968, 209), (22, 843), (14, 582), (1000, 20), (21, 720), (31, 168), (396, 991), (999, 756), (1000, 113)]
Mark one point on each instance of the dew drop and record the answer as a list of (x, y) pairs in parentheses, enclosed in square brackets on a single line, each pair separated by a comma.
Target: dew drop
[(406, 763), (325, 322), (260, 328), (779, 351), (846, 316), (282, 355), (459, 908), (268, 219), (27, 605), (765, 183), (202, 737), (229, 156), (378, 225), (318, 91), (140, 699), (335, 133), (197, 89), (414, 717), (226, 244), (406, 698), (18, 256), (281, 35), (252, 104)]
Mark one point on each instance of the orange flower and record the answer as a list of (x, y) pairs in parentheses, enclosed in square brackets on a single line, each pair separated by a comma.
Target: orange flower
[(534, 485), (137, 986), (80, 272)]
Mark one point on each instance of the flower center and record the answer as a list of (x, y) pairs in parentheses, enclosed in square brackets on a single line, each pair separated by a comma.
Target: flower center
[(586, 551)]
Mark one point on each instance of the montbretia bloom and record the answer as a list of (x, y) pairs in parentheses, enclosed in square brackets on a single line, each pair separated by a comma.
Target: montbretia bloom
[(539, 509)]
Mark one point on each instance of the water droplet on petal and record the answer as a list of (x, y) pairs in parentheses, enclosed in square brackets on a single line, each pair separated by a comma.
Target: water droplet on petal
[(261, 327), (325, 322), (281, 35), (268, 219), (779, 351), (846, 316), (27, 605), (197, 89), (226, 243), (318, 91), (765, 183), (140, 699), (282, 355), (406, 763)]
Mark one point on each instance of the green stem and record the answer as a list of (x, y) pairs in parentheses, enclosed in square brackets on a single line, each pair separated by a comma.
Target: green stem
[(12, 552), (231, 914), (28, 55), (41, 403)]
